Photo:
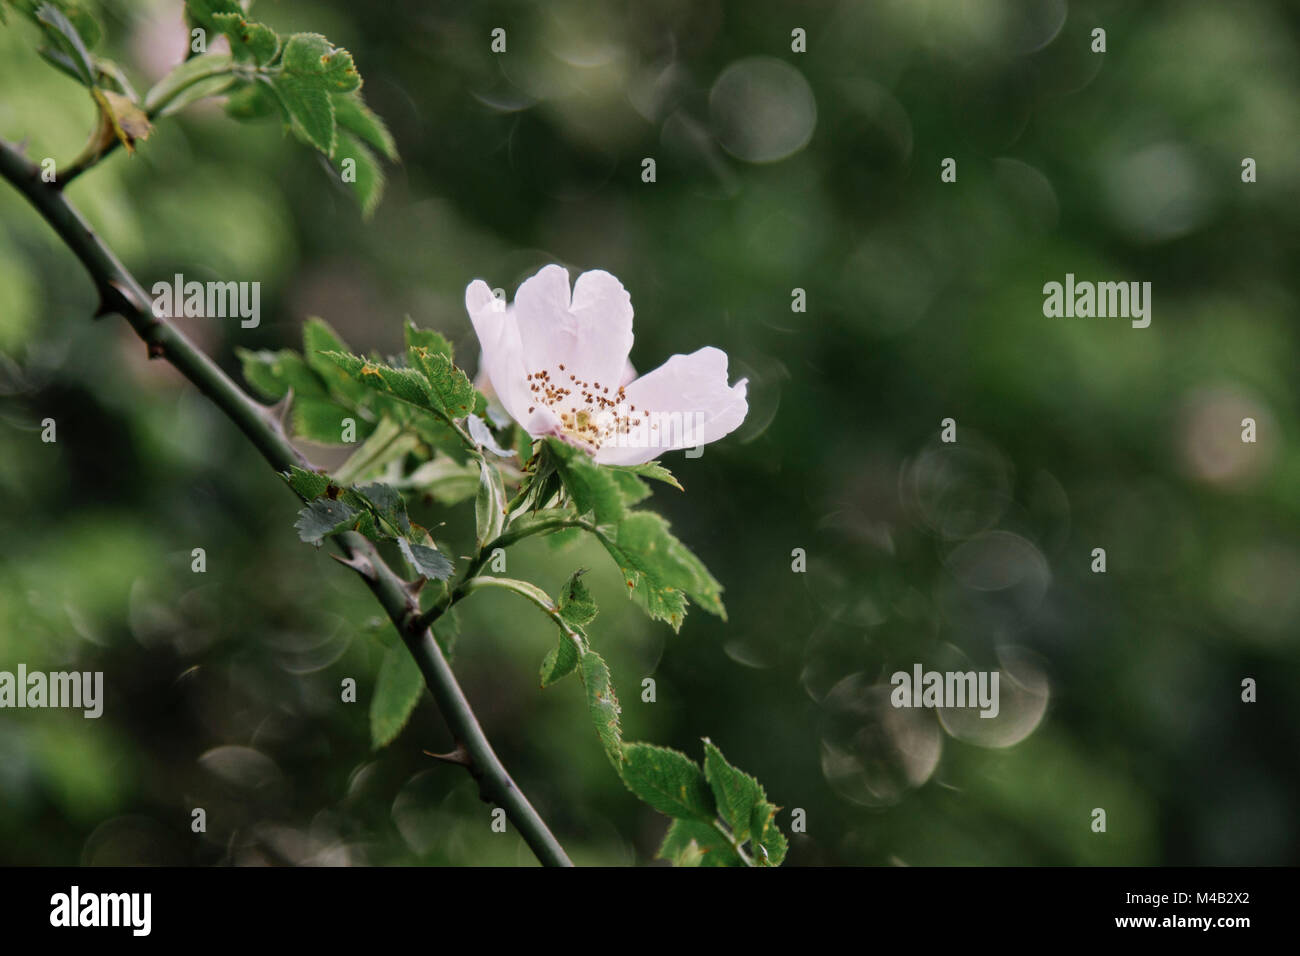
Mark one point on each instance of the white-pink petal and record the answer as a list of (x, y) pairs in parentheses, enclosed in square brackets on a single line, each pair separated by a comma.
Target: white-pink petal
[(557, 361), (588, 331), (683, 403), (503, 356)]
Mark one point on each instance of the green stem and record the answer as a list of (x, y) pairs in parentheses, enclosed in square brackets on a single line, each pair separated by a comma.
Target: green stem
[(120, 293), (517, 500), (495, 784), (735, 844), (542, 600), (512, 536), (152, 108), (352, 469), (532, 593)]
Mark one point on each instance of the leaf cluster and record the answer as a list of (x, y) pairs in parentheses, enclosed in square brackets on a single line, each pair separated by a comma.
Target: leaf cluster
[(426, 431), (313, 86), (720, 815)]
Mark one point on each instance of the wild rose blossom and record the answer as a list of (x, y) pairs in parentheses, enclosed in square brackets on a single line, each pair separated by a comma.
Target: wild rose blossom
[(558, 364)]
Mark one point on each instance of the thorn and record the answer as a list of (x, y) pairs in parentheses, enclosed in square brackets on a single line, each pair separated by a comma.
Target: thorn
[(414, 587), (117, 298), (358, 563), (459, 756), (282, 414), (156, 350), (129, 299)]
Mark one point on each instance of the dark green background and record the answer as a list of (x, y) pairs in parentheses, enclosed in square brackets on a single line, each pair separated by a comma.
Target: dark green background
[(924, 302)]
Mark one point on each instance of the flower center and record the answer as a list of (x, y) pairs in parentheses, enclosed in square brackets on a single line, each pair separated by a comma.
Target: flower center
[(589, 414)]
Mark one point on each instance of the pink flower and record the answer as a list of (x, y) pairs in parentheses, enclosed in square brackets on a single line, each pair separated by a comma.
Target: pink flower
[(558, 363)]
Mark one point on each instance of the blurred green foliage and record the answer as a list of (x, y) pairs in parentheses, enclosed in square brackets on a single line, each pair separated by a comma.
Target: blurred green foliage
[(923, 302)]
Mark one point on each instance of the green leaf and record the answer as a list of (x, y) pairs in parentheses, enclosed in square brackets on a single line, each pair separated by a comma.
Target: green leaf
[(489, 503), (200, 13), (324, 517), (691, 843), (61, 61), (564, 538), (365, 525), (404, 383), (449, 482), (417, 338), (322, 422), (386, 443), (442, 435), (659, 570), (542, 481), (66, 41), (560, 660), (523, 444), (650, 469), (661, 601), (664, 557), (427, 561), (310, 58), (575, 603), (190, 73), (84, 21), (249, 42), (200, 90), (252, 101), (454, 394), (593, 489), (388, 504), (632, 489), (352, 114), (542, 490), (668, 780), (397, 691), (768, 841), (446, 631), (359, 170), (308, 484), (310, 111), (602, 705), (272, 374), (319, 338), (311, 70), (736, 792)]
